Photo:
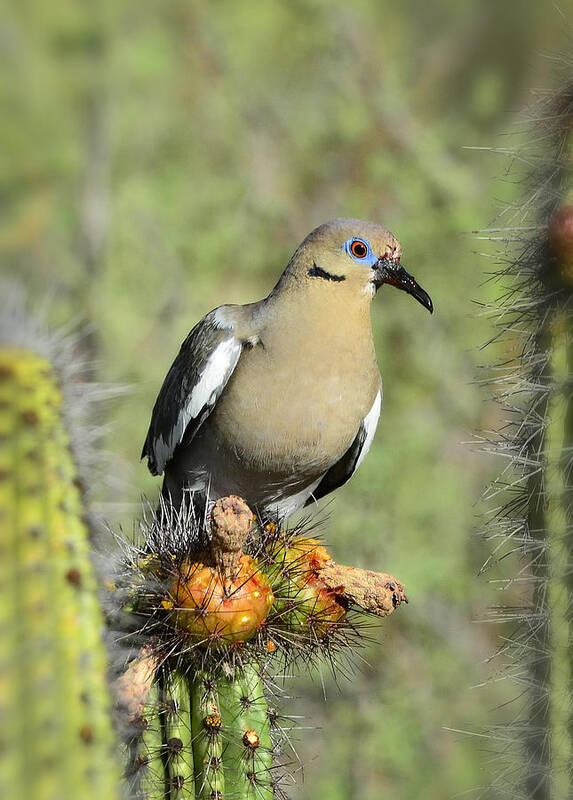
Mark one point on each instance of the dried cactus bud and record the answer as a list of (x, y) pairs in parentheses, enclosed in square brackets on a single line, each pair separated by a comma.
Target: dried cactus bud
[(133, 686), (210, 606), (375, 592), (560, 232), (231, 520)]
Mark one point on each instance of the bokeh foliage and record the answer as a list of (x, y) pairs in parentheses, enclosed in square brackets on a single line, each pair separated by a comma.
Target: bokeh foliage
[(161, 159)]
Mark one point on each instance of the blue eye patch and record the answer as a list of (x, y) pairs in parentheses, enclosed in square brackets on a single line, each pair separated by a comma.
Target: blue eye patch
[(359, 250)]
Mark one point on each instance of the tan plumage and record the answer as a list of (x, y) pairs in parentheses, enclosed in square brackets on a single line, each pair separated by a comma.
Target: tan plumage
[(271, 400)]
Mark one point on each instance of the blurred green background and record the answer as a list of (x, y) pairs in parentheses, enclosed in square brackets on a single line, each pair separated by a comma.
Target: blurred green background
[(160, 159)]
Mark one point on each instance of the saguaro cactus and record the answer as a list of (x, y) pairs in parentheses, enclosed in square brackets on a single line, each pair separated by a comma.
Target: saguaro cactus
[(537, 517), (56, 736)]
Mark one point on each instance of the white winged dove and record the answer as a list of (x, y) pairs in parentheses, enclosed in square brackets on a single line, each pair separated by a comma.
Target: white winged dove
[(278, 401)]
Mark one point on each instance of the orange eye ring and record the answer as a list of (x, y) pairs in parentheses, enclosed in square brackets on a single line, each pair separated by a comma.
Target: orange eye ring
[(358, 249)]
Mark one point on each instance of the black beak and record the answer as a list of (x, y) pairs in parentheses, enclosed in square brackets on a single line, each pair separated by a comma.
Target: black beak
[(387, 270)]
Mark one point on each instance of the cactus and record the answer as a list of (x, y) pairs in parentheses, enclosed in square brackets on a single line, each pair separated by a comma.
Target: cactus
[(216, 623), (536, 520), (56, 733)]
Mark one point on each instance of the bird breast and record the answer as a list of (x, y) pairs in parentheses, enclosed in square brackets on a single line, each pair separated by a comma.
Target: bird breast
[(295, 402)]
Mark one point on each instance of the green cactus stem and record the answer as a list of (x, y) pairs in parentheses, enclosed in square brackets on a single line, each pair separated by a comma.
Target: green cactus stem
[(56, 737), (205, 737), (549, 742), (546, 738)]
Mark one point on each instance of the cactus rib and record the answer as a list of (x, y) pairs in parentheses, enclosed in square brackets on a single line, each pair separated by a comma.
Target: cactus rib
[(178, 738)]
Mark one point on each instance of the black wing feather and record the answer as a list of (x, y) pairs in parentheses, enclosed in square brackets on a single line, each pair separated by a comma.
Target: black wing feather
[(163, 435)]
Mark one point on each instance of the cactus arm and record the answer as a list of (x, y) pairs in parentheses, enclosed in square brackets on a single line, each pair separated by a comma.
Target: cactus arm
[(178, 744), (232, 695), (247, 749), (205, 734)]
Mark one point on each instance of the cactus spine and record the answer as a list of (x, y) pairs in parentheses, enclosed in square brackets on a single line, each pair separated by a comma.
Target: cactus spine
[(56, 733)]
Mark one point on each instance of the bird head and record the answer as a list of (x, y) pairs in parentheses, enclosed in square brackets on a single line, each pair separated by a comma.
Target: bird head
[(355, 255)]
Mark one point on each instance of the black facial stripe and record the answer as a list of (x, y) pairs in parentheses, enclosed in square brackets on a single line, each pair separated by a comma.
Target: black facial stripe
[(317, 272)]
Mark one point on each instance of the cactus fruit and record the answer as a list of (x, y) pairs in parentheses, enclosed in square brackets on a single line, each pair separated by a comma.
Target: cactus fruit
[(304, 601), (56, 736), (208, 605)]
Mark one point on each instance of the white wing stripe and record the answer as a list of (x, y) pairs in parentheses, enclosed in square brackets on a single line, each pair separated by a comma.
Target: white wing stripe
[(215, 375), (219, 364), (370, 424)]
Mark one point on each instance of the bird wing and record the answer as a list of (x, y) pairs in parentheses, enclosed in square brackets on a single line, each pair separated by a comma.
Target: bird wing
[(192, 387), (345, 467)]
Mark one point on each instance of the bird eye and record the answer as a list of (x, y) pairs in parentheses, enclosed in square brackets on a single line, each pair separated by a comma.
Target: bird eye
[(358, 249)]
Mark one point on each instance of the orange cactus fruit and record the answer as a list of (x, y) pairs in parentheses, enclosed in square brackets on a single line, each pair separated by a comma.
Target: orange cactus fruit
[(208, 605), (309, 552), (311, 602)]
